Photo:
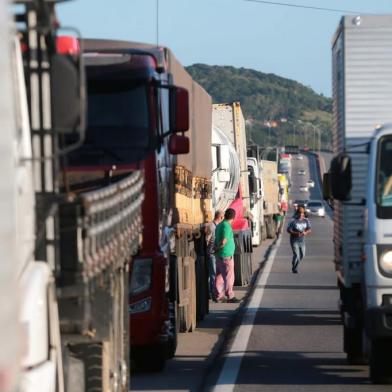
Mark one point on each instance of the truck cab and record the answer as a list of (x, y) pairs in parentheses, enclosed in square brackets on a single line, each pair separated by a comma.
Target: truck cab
[(378, 229), (376, 238)]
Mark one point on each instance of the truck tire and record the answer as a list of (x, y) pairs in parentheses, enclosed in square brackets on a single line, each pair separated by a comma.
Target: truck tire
[(353, 342), (201, 288), (270, 228), (150, 359), (173, 338), (182, 319), (193, 298), (380, 362), (263, 231), (92, 356)]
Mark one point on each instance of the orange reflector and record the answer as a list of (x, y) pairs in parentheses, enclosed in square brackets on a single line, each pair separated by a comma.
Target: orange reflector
[(67, 45)]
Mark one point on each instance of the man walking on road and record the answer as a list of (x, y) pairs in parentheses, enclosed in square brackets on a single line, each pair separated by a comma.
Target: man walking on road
[(298, 228), (211, 260), (224, 251)]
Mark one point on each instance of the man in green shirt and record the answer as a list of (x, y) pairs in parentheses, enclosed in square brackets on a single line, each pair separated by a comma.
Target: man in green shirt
[(224, 251)]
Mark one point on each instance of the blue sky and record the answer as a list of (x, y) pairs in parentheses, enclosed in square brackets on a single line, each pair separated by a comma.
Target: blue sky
[(290, 42)]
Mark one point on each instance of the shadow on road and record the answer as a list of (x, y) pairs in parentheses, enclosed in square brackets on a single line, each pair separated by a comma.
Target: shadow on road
[(299, 368)]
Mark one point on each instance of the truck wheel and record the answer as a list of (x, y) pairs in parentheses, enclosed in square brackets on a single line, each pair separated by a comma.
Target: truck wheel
[(270, 229), (193, 298), (92, 356), (380, 363), (183, 325), (352, 341), (150, 359), (201, 288), (263, 232), (172, 342)]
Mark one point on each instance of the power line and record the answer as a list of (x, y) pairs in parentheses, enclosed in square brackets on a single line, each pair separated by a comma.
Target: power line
[(304, 6), (157, 21)]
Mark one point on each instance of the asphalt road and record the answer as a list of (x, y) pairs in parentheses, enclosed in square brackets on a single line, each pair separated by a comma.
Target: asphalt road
[(198, 351), (290, 336)]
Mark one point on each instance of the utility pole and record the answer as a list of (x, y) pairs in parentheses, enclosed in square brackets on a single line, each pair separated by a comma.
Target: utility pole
[(319, 146), (269, 134), (314, 137), (294, 135)]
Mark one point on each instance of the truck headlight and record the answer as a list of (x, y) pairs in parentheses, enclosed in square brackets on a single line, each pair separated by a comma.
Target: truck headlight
[(141, 306), (386, 261), (141, 276)]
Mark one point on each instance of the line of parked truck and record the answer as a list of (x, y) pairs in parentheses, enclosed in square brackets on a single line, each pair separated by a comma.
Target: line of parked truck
[(113, 160)]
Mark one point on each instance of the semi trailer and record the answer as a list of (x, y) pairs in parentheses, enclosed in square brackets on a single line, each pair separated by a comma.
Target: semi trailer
[(228, 118)]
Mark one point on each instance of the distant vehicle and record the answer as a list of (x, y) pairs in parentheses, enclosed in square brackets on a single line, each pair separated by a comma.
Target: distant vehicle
[(302, 172), (291, 149), (300, 203), (303, 188), (316, 207), (299, 156), (310, 183)]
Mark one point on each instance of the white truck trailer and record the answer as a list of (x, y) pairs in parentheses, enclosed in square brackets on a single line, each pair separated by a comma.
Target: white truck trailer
[(360, 181), (10, 332), (229, 119), (73, 247), (256, 194)]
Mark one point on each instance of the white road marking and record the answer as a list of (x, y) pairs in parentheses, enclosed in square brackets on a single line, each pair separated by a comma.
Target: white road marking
[(231, 367)]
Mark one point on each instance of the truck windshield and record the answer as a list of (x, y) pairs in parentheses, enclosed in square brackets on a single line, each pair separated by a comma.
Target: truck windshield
[(118, 128), (384, 178)]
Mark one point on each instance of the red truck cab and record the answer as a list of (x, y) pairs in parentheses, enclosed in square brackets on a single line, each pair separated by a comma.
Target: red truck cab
[(130, 97)]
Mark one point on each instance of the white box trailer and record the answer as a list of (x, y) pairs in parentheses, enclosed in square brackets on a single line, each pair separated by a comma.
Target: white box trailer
[(362, 101)]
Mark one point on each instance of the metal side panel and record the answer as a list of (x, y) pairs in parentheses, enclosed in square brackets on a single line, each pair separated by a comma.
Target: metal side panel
[(368, 73), (222, 118), (338, 93), (349, 219)]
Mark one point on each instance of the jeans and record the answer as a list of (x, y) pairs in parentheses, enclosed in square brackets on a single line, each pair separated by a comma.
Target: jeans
[(224, 282), (298, 248), (211, 264)]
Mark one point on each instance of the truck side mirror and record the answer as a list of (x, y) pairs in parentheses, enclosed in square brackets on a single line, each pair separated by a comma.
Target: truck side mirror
[(260, 188), (178, 144), (327, 195), (179, 109), (341, 178), (68, 93)]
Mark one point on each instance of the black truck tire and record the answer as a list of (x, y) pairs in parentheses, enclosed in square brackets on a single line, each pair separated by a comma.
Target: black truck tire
[(91, 354), (173, 338), (263, 232), (201, 288), (270, 227), (353, 345), (380, 361), (150, 359)]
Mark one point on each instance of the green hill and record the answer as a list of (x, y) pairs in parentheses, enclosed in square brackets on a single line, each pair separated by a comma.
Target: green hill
[(277, 110)]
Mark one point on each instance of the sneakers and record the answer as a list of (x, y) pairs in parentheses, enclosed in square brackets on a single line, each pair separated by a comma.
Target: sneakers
[(233, 300)]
